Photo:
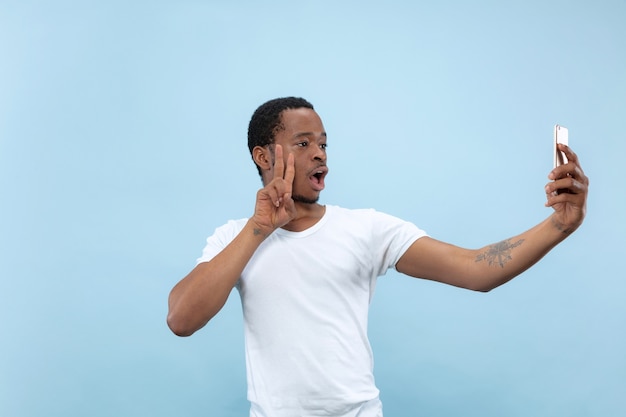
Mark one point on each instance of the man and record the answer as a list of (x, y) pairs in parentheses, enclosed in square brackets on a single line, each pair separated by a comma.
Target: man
[(305, 272)]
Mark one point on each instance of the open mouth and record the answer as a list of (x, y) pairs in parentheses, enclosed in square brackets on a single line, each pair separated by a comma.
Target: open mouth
[(317, 178)]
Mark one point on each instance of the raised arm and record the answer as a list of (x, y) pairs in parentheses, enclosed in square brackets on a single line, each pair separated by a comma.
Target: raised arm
[(204, 291), (493, 265)]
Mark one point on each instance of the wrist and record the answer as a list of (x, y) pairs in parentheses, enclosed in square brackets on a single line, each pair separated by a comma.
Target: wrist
[(561, 227), (258, 229)]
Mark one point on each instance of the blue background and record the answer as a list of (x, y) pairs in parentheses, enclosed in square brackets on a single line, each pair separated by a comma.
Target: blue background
[(123, 145)]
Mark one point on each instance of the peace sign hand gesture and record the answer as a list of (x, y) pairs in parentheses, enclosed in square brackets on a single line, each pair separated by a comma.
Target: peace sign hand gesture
[(274, 205)]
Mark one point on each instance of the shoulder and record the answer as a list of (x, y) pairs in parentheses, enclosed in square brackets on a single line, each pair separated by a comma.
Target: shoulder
[(230, 229), (376, 222), (222, 236)]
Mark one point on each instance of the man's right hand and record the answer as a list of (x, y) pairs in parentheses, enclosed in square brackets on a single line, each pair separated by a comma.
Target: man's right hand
[(274, 205)]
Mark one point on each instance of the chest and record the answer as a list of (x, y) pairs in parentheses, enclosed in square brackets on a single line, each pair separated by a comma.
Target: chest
[(321, 267)]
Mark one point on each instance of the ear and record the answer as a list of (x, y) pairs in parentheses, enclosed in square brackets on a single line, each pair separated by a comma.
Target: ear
[(262, 157)]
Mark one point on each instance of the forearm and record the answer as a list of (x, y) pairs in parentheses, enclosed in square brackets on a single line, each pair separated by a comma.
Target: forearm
[(496, 264), (204, 291), (202, 294), (481, 269)]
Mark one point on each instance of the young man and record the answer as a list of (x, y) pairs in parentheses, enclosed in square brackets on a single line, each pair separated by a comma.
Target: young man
[(305, 272)]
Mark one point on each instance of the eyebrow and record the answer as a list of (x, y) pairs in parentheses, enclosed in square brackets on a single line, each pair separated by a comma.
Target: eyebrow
[(301, 134)]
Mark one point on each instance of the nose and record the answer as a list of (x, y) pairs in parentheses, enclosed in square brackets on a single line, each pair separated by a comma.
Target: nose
[(319, 154)]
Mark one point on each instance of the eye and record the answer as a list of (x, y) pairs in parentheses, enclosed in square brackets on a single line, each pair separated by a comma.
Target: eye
[(323, 146), (302, 144)]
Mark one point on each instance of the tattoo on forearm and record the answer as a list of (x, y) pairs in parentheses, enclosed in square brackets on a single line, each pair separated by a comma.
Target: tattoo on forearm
[(257, 232), (499, 253)]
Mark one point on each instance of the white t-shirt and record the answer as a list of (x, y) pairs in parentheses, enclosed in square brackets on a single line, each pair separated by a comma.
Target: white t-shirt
[(305, 298)]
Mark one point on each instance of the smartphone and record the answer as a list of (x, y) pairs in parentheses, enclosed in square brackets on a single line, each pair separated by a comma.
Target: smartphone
[(560, 136)]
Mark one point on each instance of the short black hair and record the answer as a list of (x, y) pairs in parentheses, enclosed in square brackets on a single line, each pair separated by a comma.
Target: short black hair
[(266, 120)]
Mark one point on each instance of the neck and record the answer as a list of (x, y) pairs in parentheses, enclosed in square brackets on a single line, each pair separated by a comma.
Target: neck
[(306, 216)]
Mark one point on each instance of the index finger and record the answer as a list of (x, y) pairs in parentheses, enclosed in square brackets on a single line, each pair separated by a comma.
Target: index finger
[(279, 163), (569, 153), (291, 169)]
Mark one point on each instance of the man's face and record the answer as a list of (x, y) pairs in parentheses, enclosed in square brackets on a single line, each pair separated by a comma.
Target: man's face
[(304, 136)]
